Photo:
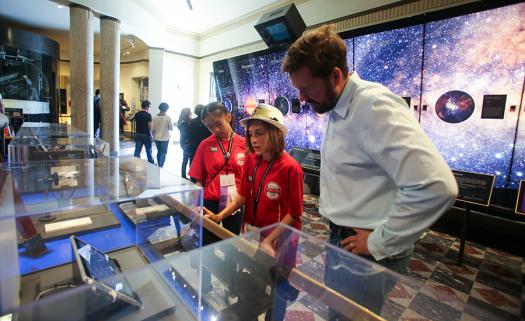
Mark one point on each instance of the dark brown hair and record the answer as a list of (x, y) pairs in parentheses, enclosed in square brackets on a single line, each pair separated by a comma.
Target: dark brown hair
[(321, 50), (275, 138)]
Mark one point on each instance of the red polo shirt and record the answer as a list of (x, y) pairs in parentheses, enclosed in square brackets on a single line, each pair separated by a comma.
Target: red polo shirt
[(209, 159), (281, 193)]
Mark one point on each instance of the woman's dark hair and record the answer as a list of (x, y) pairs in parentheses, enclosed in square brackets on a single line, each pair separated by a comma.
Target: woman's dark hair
[(185, 116)]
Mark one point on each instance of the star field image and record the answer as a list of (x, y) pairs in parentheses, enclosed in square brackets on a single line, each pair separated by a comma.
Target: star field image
[(463, 59), (477, 54)]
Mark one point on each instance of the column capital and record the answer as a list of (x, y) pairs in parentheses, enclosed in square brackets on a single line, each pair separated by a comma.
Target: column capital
[(76, 5), (109, 18)]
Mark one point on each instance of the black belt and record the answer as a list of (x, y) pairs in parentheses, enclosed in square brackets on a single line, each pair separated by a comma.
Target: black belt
[(341, 231)]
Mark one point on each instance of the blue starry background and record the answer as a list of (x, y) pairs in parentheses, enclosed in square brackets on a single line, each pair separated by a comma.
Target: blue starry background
[(478, 54)]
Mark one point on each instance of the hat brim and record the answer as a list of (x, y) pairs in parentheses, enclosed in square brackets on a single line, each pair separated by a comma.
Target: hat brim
[(279, 126)]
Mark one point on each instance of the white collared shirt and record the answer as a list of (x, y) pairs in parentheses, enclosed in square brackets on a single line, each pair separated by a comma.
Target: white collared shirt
[(380, 171)]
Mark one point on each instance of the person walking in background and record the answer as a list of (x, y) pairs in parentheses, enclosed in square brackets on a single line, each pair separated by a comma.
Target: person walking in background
[(182, 125), (143, 131), (123, 108), (197, 132), (96, 113), (160, 128)]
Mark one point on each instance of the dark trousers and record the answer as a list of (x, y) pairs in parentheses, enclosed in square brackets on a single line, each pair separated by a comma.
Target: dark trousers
[(185, 160), (143, 140), (162, 150), (358, 279), (121, 126)]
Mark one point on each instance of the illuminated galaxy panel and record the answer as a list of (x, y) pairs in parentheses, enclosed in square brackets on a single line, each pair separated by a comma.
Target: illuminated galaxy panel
[(466, 58), (392, 58)]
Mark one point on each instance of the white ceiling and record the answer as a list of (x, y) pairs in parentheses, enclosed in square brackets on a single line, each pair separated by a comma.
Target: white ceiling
[(205, 16)]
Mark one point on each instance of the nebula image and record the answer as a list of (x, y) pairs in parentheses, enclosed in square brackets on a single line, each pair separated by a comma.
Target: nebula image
[(454, 106)]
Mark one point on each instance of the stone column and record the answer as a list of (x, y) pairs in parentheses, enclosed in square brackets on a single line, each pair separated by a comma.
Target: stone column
[(81, 62), (110, 81), (156, 69)]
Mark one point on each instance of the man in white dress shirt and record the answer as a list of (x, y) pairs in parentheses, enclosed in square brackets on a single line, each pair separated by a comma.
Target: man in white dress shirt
[(382, 181)]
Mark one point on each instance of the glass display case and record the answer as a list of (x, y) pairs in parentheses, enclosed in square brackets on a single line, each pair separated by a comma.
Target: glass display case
[(51, 141), (251, 278), (43, 203), (49, 130)]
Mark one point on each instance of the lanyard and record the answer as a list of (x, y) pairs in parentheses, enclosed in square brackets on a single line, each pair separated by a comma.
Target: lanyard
[(230, 144), (256, 200)]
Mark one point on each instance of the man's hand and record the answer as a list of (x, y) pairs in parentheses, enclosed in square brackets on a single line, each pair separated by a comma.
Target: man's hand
[(357, 244)]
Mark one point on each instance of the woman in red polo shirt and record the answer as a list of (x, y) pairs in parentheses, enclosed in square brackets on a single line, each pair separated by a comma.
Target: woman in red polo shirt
[(218, 164), (272, 191)]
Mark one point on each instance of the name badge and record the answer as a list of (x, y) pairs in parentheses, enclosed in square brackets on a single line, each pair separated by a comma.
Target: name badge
[(227, 180), (213, 149)]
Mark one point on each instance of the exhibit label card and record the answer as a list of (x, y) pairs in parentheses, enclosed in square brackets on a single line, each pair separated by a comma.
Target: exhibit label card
[(520, 202), (307, 157), (474, 188), (493, 106)]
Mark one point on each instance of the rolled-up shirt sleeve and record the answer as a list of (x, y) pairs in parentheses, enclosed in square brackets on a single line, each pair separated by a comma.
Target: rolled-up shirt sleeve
[(425, 184)]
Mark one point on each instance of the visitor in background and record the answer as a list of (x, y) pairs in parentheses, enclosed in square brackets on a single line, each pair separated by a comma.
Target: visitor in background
[(123, 108), (96, 113), (182, 125), (143, 131), (197, 132), (160, 128)]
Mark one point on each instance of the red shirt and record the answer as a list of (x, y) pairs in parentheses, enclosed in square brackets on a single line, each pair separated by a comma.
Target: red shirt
[(281, 193), (209, 159)]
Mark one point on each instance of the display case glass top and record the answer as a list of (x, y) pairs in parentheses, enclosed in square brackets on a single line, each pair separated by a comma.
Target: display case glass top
[(51, 186), (30, 129)]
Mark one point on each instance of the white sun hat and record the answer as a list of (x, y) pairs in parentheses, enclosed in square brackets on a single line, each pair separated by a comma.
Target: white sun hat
[(268, 114)]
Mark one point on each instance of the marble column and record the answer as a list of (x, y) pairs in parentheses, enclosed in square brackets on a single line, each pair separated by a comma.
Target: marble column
[(156, 70), (110, 81), (81, 64)]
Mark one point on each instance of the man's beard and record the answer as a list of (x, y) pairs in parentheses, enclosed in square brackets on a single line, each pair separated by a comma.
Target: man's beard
[(331, 100)]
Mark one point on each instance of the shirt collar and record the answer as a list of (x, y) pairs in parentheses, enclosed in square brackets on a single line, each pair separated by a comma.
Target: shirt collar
[(343, 103)]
